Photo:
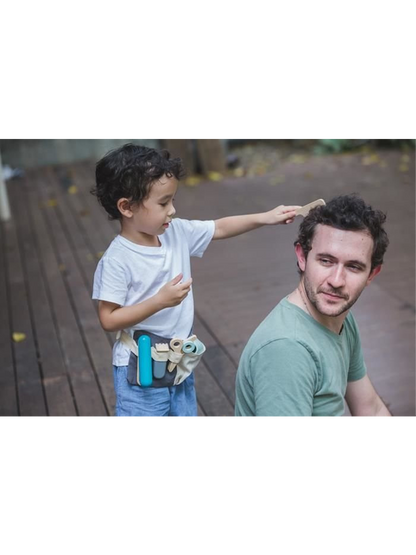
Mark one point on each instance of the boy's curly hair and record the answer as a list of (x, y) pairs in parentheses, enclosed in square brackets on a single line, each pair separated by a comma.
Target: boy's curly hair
[(128, 172), (351, 213)]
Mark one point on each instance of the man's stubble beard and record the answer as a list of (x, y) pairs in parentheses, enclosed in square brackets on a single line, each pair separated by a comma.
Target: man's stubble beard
[(313, 299)]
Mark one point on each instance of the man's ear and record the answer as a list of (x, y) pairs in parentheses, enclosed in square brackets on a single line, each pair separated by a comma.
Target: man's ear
[(124, 207), (300, 255), (373, 274)]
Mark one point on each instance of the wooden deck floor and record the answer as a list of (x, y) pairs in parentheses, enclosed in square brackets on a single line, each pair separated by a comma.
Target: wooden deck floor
[(50, 249)]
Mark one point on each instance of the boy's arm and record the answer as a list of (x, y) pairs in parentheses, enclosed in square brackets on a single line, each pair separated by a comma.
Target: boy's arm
[(114, 317), (236, 225)]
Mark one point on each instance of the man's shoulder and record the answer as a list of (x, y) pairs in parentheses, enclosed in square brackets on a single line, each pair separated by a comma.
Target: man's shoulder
[(280, 325)]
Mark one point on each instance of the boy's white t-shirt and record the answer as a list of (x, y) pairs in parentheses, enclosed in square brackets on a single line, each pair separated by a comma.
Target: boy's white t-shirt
[(128, 274)]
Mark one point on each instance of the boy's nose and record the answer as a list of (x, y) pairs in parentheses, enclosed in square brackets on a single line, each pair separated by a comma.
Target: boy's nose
[(172, 212)]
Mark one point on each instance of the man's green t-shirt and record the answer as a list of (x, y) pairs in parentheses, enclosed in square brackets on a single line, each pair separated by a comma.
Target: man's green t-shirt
[(294, 366)]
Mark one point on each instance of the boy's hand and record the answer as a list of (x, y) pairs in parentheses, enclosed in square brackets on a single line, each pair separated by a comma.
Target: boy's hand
[(280, 215), (174, 292)]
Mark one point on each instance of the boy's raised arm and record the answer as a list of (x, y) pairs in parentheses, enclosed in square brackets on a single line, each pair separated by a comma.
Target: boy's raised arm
[(236, 225)]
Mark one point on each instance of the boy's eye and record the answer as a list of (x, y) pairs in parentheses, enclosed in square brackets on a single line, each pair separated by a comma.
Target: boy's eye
[(166, 203)]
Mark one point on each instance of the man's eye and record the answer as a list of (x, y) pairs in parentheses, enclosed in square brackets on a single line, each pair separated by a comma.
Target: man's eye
[(325, 261)]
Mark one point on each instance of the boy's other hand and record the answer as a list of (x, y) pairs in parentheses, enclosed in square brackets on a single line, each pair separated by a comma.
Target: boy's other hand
[(280, 215), (174, 292)]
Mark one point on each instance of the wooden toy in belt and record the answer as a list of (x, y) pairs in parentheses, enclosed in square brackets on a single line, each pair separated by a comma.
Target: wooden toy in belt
[(303, 211), (159, 366), (176, 346)]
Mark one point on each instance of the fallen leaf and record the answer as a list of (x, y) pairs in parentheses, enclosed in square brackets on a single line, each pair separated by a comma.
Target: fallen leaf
[(192, 180), (277, 180), (403, 168), (62, 267), (52, 202), (99, 254), (73, 190), (239, 172), (214, 176), (84, 213), (297, 159), (18, 337), (370, 160)]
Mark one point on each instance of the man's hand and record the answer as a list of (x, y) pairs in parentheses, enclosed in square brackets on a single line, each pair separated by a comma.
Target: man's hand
[(174, 292), (280, 215)]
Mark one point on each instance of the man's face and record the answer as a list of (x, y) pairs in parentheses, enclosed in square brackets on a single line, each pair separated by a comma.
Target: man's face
[(337, 268)]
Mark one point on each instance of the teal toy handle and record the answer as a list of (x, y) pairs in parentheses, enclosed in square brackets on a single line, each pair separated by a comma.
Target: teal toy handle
[(145, 361)]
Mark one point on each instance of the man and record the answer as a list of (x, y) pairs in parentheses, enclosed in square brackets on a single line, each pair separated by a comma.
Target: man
[(306, 356)]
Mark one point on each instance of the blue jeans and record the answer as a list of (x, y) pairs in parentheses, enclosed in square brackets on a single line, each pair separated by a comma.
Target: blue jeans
[(133, 400)]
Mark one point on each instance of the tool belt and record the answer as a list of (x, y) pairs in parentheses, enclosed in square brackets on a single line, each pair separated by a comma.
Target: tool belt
[(172, 360)]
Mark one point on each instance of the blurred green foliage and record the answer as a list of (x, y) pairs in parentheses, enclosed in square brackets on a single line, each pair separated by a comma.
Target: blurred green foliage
[(331, 146)]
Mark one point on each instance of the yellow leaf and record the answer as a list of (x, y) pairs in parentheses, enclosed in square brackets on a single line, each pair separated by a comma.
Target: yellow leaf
[(297, 159), (403, 168), (370, 160), (18, 337), (52, 202), (214, 176), (62, 267), (405, 158), (239, 172), (192, 180), (99, 254), (73, 190), (90, 256), (277, 179)]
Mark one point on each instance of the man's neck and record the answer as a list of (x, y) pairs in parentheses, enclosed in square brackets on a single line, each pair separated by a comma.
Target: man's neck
[(300, 299)]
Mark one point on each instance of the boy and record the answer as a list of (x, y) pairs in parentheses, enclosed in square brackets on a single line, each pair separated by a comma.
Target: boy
[(143, 281)]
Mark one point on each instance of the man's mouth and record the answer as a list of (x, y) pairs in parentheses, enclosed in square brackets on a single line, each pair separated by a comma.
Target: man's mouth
[(333, 295)]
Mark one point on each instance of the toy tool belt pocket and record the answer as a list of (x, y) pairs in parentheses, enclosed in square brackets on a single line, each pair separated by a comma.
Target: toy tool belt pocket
[(158, 361)]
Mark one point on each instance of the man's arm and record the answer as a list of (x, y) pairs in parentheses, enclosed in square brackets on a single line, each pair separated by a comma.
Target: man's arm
[(363, 400), (236, 225)]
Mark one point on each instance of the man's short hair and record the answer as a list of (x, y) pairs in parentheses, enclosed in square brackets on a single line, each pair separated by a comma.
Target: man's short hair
[(350, 213)]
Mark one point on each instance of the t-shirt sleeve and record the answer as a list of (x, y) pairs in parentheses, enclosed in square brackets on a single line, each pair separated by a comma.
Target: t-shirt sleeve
[(198, 233), (284, 377), (110, 282), (357, 369)]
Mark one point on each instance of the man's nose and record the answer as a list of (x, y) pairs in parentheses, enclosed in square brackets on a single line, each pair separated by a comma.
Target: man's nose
[(337, 277)]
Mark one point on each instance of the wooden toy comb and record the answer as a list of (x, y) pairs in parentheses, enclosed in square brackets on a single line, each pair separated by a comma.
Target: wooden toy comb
[(305, 209)]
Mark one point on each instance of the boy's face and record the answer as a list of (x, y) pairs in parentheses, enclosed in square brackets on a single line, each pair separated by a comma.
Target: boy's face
[(154, 215)]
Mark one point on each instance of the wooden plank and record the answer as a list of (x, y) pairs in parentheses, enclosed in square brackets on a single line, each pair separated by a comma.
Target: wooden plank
[(94, 338), (29, 380), (97, 341), (59, 397), (88, 398), (217, 360), (210, 396), (8, 387)]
